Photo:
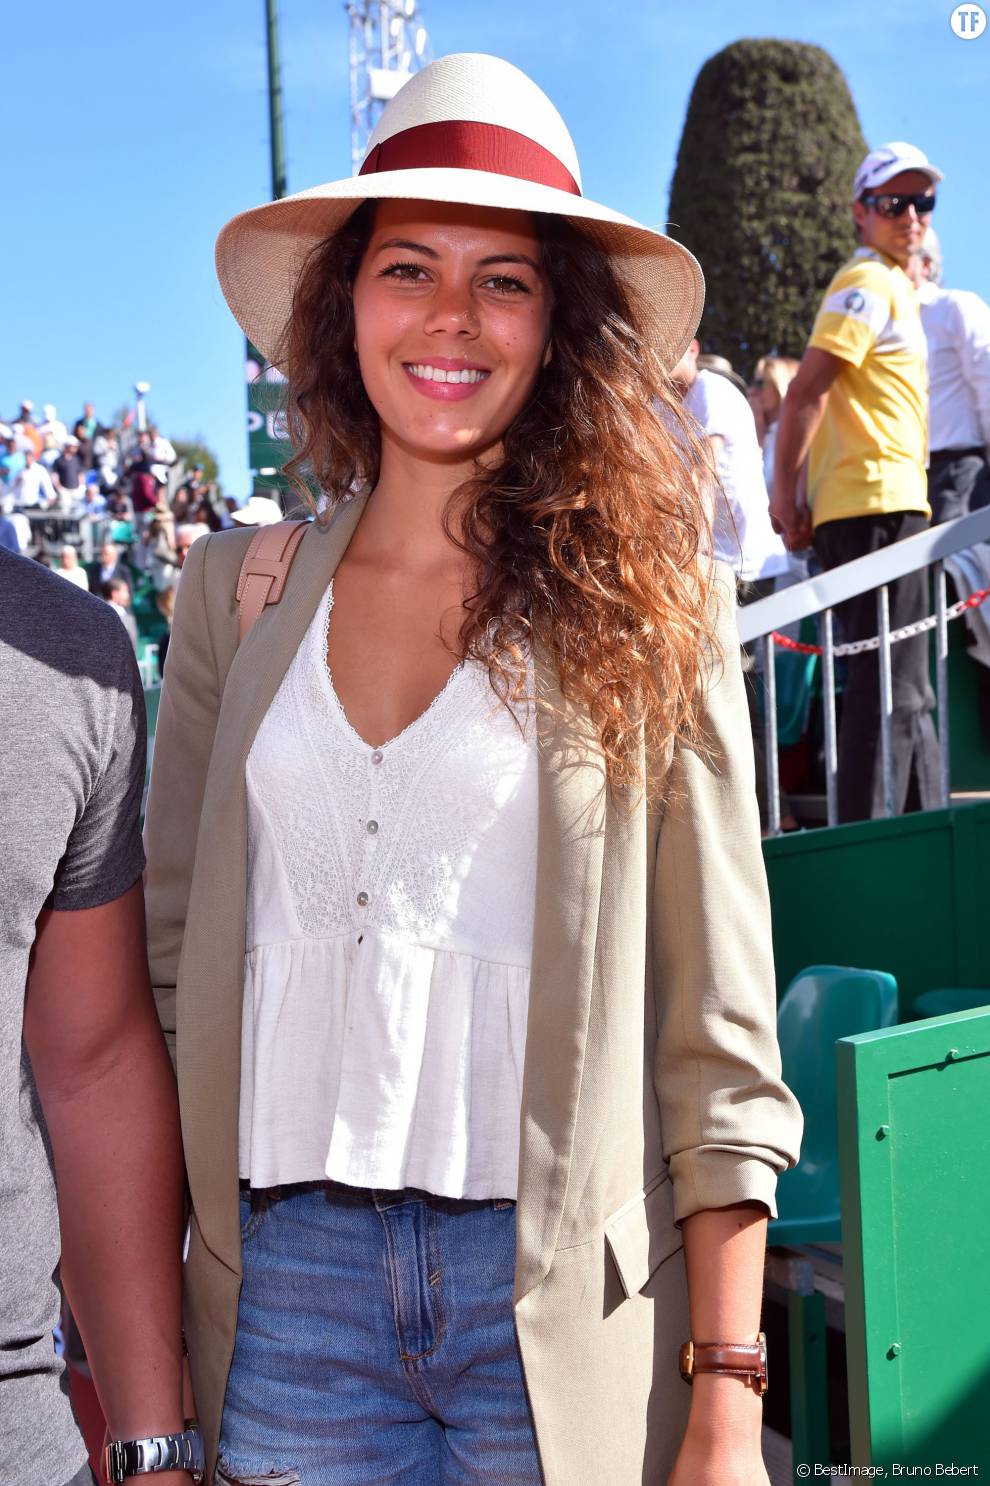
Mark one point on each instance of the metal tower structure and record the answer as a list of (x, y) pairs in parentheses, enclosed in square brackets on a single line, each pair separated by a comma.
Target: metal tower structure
[(388, 44)]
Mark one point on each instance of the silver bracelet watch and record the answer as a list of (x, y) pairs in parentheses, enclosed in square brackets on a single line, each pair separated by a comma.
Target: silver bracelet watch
[(159, 1452)]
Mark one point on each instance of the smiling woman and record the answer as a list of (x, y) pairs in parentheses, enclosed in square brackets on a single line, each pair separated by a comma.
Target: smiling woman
[(475, 1001), (549, 465)]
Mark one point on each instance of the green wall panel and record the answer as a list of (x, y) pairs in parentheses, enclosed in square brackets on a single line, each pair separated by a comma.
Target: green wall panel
[(914, 1138), (910, 895)]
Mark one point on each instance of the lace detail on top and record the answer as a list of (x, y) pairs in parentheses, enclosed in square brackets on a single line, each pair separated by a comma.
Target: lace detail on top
[(433, 794)]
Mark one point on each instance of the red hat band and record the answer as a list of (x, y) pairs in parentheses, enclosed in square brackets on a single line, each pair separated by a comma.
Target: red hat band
[(462, 144)]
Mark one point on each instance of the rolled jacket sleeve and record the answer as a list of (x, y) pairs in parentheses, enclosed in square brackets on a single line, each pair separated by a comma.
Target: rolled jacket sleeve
[(729, 1123)]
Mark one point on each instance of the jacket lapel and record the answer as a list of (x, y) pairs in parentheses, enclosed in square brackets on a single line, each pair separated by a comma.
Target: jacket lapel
[(212, 969), (570, 850)]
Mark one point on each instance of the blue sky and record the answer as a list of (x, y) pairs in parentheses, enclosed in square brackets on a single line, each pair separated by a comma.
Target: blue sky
[(132, 132)]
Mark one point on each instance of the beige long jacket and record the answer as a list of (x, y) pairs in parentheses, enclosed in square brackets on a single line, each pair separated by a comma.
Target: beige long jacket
[(652, 1075)]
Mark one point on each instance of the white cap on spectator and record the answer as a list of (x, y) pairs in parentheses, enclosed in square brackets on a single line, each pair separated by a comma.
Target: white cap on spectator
[(260, 510), (888, 160), (49, 411)]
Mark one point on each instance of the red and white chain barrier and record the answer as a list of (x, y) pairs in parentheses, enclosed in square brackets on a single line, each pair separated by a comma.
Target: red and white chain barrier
[(907, 632)]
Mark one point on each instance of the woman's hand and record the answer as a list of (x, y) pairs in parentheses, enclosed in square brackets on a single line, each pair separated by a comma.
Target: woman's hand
[(722, 1444)]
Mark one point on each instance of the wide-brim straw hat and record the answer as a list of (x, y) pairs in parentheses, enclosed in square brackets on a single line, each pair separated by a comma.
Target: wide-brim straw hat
[(474, 129)]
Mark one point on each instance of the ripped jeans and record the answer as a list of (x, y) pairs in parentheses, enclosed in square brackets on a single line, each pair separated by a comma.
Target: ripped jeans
[(376, 1344)]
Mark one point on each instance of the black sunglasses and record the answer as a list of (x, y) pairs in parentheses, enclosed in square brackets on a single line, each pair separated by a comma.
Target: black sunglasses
[(895, 206)]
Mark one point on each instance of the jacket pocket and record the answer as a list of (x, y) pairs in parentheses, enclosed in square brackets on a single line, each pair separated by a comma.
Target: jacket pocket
[(641, 1234)]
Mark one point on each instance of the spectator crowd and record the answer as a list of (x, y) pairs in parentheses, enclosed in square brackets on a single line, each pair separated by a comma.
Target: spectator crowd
[(112, 509)]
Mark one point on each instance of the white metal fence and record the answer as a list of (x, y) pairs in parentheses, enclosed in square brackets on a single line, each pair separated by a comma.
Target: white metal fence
[(819, 596)]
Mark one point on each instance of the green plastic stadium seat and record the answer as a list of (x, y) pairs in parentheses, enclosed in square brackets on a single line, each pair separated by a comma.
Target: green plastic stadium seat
[(945, 1002), (821, 1004)]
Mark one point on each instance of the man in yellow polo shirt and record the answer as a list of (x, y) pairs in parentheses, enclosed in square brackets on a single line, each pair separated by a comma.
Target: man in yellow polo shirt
[(857, 410)]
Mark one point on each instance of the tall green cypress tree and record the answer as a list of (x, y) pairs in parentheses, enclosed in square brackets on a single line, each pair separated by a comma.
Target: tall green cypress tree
[(762, 192)]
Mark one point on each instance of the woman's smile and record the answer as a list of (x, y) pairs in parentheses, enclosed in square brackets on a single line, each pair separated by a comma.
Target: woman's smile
[(446, 379)]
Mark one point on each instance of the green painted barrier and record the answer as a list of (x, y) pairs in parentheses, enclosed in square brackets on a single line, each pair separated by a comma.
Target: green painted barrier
[(914, 1146), (908, 895)]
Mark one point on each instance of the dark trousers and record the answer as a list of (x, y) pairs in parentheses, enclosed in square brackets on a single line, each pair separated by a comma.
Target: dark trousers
[(915, 745), (958, 482)]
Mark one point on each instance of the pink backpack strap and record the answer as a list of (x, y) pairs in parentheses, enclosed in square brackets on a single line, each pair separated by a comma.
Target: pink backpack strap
[(265, 569)]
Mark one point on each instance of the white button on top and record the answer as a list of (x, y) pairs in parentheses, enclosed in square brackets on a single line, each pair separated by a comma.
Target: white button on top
[(377, 756), (372, 828)]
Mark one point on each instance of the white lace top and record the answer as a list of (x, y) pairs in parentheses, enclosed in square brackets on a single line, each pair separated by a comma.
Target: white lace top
[(389, 936)]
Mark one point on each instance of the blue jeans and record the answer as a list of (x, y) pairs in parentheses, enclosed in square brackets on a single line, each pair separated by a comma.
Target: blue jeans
[(376, 1344)]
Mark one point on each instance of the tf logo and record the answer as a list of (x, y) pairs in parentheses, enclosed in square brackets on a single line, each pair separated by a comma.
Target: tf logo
[(968, 21), (854, 301)]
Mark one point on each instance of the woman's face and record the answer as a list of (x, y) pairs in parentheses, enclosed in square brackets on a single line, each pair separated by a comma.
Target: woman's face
[(452, 315)]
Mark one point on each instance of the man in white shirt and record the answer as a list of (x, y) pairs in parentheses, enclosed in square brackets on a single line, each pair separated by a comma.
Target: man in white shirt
[(32, 486), (71, 569), (743, 536), (957, 328), (53, 425), (162, 455)]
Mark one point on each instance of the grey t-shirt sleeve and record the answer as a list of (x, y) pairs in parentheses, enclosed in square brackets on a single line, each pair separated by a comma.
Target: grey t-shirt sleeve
[(104, 855)]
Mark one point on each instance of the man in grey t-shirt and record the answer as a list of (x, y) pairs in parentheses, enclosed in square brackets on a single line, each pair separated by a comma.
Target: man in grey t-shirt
[(86, 1089)]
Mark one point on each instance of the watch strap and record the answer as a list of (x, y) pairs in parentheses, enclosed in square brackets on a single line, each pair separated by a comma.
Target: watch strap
[(154, 1454), (737, 1359)]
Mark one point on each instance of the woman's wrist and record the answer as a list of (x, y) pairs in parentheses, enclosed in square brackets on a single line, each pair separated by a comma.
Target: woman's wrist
[(721, 1402)]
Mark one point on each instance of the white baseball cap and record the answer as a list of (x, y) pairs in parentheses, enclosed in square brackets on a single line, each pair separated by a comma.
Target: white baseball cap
[(888, 160), (260, 510)]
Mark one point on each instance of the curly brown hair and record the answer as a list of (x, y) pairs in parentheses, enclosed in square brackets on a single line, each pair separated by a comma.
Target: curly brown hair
[(586, 536)]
